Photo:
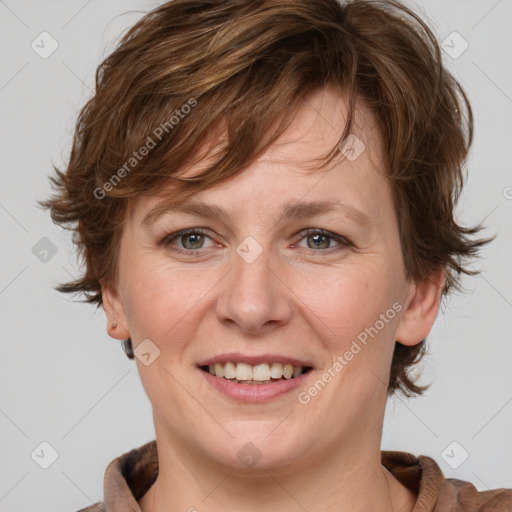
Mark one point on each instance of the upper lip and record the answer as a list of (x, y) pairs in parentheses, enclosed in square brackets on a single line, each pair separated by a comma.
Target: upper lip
[(254, 360)]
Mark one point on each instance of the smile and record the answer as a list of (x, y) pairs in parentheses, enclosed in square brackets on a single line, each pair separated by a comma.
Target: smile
[(254, 379), (262, 373)]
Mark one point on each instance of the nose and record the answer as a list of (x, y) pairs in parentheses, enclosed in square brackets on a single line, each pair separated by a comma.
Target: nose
[(254, 299)]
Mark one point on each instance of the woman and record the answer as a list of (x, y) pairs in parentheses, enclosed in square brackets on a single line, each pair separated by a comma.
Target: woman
[(263, 194)]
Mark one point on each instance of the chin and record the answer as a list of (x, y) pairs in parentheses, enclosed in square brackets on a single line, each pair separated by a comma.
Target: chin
[(257, 446)]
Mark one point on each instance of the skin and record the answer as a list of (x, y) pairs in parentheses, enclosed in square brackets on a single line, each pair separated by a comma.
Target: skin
[(306, 301)]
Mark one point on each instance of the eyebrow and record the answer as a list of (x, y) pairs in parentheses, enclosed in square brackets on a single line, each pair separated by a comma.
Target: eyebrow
[(292, 209)]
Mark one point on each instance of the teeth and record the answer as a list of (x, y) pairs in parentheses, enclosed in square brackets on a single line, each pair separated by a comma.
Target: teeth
[(243, 371), (276, 372), (218, 370), (261, 372), (288, 371), (258, 373), (297, 370), (229, 371)]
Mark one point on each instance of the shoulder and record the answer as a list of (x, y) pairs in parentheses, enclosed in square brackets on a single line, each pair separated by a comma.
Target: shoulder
[(455, 494), (436, 493), (127, 478), (467, 497)]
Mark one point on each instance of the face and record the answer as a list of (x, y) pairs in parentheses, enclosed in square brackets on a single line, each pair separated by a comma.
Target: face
[(279, 284)]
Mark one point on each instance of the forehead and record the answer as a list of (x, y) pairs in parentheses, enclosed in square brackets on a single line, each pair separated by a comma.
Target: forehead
[(318, 125), (286, 166)]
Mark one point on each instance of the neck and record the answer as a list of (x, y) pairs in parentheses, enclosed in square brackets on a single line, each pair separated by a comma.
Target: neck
[(338, 481)]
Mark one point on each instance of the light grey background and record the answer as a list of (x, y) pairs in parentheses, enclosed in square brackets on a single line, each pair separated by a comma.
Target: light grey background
[(64, 381)]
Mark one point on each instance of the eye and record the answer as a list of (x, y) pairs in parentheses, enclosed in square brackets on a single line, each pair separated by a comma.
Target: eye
[(319, 239), (191, 240)]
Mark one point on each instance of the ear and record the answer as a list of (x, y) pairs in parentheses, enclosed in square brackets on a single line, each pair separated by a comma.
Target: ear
[(114, 310), (421, 309)]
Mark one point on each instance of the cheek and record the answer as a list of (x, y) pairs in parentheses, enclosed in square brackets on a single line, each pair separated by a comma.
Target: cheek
[(160, 298), (151, 296), (344, 301)]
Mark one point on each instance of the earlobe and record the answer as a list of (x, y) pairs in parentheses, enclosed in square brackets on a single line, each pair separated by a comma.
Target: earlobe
[(114, 310), (421, 309)]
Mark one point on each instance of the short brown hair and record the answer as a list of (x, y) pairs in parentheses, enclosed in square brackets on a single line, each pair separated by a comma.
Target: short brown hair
[(245, 66)]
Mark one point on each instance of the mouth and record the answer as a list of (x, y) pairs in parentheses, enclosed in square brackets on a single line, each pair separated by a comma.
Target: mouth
[(255, 379), (260, 373)]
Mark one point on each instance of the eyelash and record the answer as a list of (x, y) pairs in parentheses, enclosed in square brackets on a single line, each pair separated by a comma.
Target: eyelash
[(168, 239)]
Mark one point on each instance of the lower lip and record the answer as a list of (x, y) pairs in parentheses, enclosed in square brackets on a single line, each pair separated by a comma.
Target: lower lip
[(254, 393)]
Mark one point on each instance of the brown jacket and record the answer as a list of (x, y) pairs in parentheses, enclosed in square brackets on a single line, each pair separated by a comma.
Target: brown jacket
[(128, 477)]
